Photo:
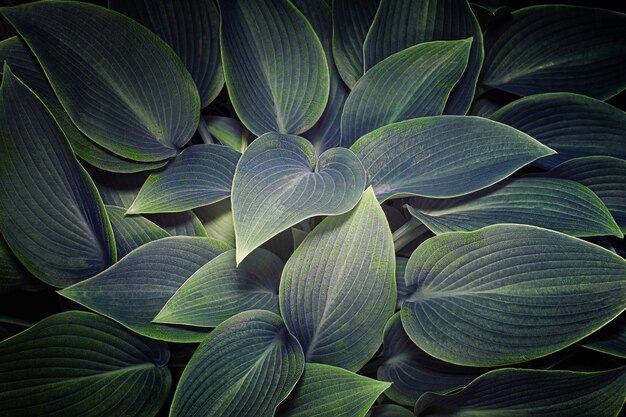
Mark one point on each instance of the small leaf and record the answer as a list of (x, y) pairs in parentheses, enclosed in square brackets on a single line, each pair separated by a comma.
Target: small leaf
[(117, 189), (279, 183), (338, 288), (132, 231), (526, 393), (228, 131), (274, 66), (443, 156), (245, 367), (185, 223), (81, 364), (611, 339), (550, 48), (403, 291), (328, 391), (136, 288), (217, 220), (51, 215), (199, 176), (415, 82), (221, 289), (13, 275), (390, 410), (507, 294)]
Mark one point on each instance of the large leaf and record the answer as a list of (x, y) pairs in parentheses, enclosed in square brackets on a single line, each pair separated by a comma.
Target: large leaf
[(529, 393), (400, 24), (78, 364), (221, 289), (199, 176), (103, 83), (191, 28), (415, 82), (278, 183), (274, 65), (507, 294), (561, 205), (611, 339), (50, 212), (328, 391), (245, 367), (443, 156), (571, 124), (132, 231), (549, 48), (338, 288), (136, 288)]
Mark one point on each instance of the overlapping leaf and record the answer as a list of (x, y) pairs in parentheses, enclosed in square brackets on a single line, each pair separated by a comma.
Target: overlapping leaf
[(13, 275), (185, 223), (611, 339), (390, 410), (132, 231), (228, 132), (217, 220)]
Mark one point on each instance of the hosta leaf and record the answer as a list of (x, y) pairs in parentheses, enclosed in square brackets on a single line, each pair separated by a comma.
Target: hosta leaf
[(135, 289), (571, 124), (557, 48), (185, 223), (132, 231), (103, 83), (245, 367), (509, 293), (199, 176), (221, 289), (605, 176), (328, 391), (338, 288), (279, 182), (403, 291), (561, 205), (526, 393), (191, 28), (611, 339), (81, 364), (415, 82), (217, 220), (390, 410), (51, 215), (351, 21), (400, 24), (412, 372), (228, 131), (443, 156), (117, 189), (13, 275), (274, 66)]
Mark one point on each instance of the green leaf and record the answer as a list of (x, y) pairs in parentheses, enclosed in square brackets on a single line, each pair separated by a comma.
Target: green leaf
[(553, 48), (228, 131), (351, 21), (338, 288), (184, 223), (217, 220), (605, 176), (13, 275), (571, 124), (136, 288), (117, 189), (443, 156), (191, 28), (611, 339), (132, 231), (91, 57), (390, 410), (274, 66), (507, 294), (526, 393), (81, 364), (328, 391), (51, 215), (245, 367), (414, 82), (199, 176), (278, 183), (221, 289), (403, 291), (400, 24), (561, 205)]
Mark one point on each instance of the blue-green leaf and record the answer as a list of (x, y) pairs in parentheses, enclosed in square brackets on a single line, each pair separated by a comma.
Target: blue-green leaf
[(228, 132), (217, 220), (132, 231), (611, 339), (184, 223)]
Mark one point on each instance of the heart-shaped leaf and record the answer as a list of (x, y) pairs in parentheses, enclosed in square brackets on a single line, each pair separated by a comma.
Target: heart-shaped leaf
[(199, 176), (400, 24), (245, 367), (274, 66), (561, 205), (127, 110), (571, 124), (415, 82), (132, 231), (443, 156), (50, 212), (328, 391), (136, 288), (278, 183), (549, 48), (80, 364), (529, 393), (475, 293), (338, 288), (611, 339)]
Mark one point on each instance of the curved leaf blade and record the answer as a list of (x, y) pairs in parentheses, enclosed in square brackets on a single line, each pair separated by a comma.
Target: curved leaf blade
[(611, 339), (217, 220), (13, 275), (390, 410), (184, 223), (228, 132), (132, 231)]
